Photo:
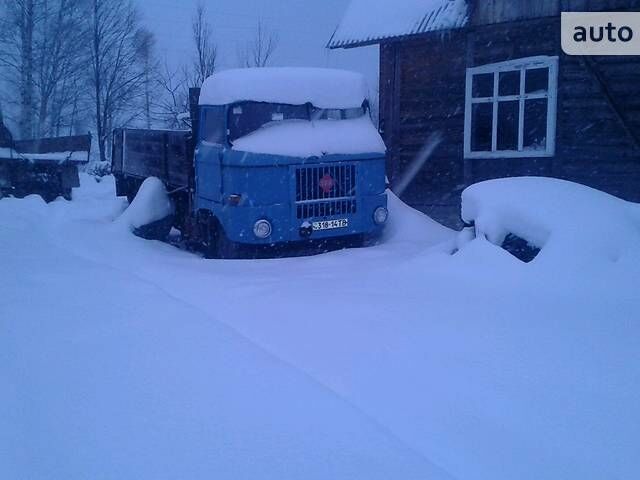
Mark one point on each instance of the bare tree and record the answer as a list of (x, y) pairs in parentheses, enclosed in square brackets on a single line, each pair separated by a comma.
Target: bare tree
[(145, 42), (17, 57), (27, 24), (61, 54), (42, 53), (204, 63), (175, 83), (258, 52), (116, 77)]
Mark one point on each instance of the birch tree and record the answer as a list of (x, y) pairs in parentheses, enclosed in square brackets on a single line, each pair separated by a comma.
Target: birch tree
[(42, 54), (17, 58), (60, 59), (116, 76)]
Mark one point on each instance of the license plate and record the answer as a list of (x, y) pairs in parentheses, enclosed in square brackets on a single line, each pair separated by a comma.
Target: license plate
[(331, 224)]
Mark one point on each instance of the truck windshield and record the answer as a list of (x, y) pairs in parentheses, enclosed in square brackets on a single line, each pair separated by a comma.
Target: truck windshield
[(250, 116)]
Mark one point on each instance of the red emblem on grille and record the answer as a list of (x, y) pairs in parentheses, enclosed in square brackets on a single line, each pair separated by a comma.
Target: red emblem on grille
[(327, 183)]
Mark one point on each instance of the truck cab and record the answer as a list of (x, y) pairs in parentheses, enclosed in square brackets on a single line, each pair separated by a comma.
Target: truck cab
[(282, 156)]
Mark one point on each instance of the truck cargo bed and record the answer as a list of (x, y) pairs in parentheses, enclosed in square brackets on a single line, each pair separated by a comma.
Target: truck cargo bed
[(152, 153), (45, 166)]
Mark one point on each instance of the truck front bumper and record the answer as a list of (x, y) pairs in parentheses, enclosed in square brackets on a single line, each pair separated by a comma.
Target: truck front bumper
[(238, 222)]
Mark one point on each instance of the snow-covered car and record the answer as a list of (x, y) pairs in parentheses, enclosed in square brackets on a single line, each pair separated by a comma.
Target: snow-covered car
[(560, 220)]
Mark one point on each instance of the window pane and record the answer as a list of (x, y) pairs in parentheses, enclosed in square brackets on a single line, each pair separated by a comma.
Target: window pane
[(509, 83), (508, 125), (535, 124), (481, 127), (212, 129), (483, 85), (537, 80), (250, 116)]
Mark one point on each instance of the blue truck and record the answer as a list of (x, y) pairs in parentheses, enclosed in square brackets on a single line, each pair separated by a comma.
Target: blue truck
[(274, 156)]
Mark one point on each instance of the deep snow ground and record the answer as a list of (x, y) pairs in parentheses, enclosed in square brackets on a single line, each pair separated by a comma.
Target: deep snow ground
[(124, 358)]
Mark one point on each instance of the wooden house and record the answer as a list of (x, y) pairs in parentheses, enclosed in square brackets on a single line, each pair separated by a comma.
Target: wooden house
[(491, 77)]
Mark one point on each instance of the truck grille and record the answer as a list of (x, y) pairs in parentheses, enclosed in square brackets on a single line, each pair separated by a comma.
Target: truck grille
[(325, 190)]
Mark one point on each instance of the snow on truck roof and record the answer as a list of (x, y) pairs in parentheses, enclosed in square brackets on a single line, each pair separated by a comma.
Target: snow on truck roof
[(322, 87), (370, 21)]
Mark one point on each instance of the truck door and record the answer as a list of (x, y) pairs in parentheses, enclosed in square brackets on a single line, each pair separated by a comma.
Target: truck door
[(208, 156)]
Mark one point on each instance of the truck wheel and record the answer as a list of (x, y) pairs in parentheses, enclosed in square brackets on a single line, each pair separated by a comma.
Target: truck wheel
[(218, 244), (226, 248), (365, 240), (158, 230)]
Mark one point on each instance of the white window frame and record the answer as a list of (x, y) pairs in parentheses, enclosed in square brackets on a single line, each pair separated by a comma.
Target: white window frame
[(522, 65)]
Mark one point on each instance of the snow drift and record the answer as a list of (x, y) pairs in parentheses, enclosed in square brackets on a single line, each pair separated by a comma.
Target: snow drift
[(122, 358), (106, 375), (151, 203)]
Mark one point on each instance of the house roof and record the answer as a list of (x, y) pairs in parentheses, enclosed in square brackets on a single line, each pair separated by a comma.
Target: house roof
[(371, 21)]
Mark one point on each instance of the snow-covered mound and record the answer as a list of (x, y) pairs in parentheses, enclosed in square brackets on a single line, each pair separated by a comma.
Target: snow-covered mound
[(566, 220), (128, 359), (105, 375), (301, 138), (322, 87), (407, 225), (150, 204)]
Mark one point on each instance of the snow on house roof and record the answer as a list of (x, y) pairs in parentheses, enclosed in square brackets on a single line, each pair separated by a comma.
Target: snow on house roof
[(369, 21), (59, 157), (322, 87)]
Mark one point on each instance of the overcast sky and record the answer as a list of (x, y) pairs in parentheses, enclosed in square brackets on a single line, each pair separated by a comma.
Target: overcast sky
[(303, 27)]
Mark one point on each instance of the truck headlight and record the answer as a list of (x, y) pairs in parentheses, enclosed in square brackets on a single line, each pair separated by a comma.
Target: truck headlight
[(262, 228), (380, 215)]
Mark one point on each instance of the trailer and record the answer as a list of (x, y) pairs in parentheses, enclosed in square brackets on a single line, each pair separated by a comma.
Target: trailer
[(274, 156), (47, 167)]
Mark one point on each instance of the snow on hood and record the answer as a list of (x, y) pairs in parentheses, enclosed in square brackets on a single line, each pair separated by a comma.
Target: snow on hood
[(322, 87), (302, 138), (570, 222)]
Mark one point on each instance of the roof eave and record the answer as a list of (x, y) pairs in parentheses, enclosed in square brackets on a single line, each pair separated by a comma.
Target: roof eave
[(396, 38)]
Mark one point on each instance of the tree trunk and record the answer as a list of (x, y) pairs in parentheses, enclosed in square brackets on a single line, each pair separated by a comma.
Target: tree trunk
[(26, 70), (98, 81)]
